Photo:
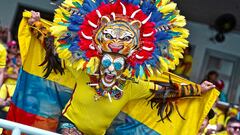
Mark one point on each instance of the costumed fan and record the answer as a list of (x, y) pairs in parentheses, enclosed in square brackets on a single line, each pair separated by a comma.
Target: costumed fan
[(118, 54)]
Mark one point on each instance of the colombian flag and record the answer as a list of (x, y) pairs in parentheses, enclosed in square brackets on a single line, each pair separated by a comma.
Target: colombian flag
[(38, 102)]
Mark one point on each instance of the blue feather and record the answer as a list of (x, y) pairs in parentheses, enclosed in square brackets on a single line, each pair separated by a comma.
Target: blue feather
[(63, 24), (161, 23), (141, 71), (147, 7), (137, 70), (67, 37), (98, 2), (156, 16), (105, 1), (76, 19), (173, 34), (76, 38), (136, 2), (169, 16), (64, 46), (89, 5), (151, 62), (84, 56), (154, 60), (73, 48), (162, 36), (82, 11), (73, 27)]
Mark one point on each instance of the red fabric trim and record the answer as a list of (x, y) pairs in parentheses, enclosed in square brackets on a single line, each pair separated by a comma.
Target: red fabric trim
[(19, 115)]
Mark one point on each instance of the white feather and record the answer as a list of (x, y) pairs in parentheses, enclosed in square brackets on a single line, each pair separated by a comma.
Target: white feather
[(145, 20), (92, 24), (98, 13), (124, 8), (85, 36), (91, 47), (148, 34), (147, 48), (139, 57), (134, 13), (113, 15)]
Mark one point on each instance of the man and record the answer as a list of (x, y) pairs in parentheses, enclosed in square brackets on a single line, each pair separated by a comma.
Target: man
[(113, 58), (3, 57), (205, 123), (6, 93), (233, 126), (184, 69)]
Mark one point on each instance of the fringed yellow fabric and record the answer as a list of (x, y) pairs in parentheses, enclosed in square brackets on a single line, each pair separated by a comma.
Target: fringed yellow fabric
[(194, 110), (33, 53)]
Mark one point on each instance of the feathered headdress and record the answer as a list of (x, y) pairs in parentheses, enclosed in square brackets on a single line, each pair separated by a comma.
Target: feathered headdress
[(162, 38)]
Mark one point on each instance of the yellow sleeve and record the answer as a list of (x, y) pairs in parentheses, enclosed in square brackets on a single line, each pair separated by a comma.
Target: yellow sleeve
[(188, 90), (140, 89), (221, 119), (3, 92), (3, 56)]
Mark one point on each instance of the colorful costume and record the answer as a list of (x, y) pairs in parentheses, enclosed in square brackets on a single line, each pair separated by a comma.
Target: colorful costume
[(115, 55)]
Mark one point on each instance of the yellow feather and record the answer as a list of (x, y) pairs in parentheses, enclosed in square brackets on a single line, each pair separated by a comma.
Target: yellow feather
[(64, 53), (174, 42), (80, 64), (127, 73), (74, 65), (58, 30), (184, 32), (172, 65), (69, 2), (178, 54), (165, 2), (150, 70), (179, 21), (164, 65), (93, 64), (168, 8)]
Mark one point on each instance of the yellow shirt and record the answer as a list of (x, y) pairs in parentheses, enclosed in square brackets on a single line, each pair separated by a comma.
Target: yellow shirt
[(94, 117), (3, 56), (219, 117), (6, 91), (188, 59), (222, 133), (11, 81), (180, 69)]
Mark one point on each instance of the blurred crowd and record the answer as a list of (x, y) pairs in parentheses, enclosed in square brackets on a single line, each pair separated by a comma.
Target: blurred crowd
[(224, 118), (9, 68)]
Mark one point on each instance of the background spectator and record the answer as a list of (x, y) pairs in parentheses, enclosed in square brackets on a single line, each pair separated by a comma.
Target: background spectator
[(185, 66), (205, 123), (233, 126)]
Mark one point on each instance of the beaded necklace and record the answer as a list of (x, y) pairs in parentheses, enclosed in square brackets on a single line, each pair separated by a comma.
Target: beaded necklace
[(114, 92)]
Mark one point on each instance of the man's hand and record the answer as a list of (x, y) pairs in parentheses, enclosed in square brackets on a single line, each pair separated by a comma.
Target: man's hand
[(8, 101), (4, 103), (206, 86), (34, 18), (71, 131)]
